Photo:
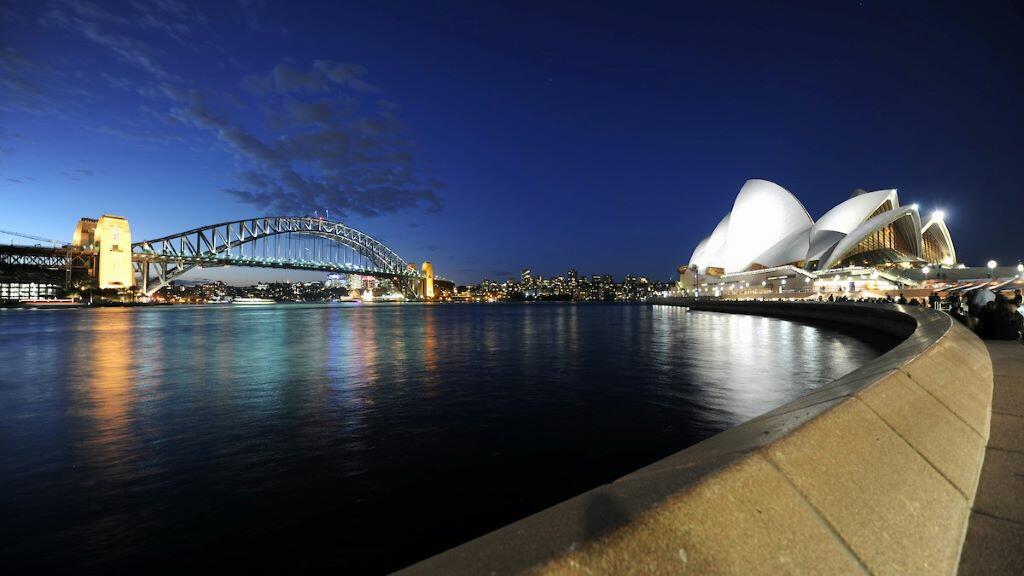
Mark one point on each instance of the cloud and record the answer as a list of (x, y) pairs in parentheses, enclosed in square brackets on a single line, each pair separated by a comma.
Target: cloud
[(79, 173), (87, 20), (324, 153), (301, 134), (138, 136), (15, 180), (319, 77), (19, 88)]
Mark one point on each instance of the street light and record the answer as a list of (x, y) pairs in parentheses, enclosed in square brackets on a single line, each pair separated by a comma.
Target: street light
[(926, 270), (1020, 266), (991, 269)]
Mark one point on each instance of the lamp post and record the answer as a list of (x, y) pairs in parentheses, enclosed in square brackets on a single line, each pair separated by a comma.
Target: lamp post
[(926, 270), (991, 269)]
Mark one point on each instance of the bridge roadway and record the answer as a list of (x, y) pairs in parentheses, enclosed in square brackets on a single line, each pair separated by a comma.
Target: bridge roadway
[(299, 243), (74, 258)]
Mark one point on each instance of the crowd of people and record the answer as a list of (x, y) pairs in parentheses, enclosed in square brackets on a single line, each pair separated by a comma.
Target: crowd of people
[(1000, 318), (993, 316)]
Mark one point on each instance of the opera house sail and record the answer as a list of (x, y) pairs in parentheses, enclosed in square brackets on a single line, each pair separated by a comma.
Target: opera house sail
[(768, 227)]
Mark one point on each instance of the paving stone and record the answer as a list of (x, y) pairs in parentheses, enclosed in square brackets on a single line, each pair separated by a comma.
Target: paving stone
[(1007, 432), (993, 547), (1007, 358), (1001, 489), (1008, 394)]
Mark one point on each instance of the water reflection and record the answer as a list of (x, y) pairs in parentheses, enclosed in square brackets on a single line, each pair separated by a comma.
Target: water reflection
[(143, 437), (107, 440)]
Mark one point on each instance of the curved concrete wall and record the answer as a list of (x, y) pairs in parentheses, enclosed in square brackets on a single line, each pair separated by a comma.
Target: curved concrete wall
[(874, 473)]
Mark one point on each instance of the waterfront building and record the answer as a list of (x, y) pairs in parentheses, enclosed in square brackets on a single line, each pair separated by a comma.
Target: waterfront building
[(769, 244), (16, 291), (768, 227)]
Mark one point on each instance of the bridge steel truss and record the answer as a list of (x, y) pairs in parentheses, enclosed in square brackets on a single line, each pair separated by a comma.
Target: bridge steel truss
[(273, 242), (45, 257)]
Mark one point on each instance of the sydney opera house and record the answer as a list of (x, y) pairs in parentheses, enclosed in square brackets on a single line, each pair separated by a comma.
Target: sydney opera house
[(869, 235)]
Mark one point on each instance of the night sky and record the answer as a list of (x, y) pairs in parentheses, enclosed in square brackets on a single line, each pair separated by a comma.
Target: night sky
[(489, 136)]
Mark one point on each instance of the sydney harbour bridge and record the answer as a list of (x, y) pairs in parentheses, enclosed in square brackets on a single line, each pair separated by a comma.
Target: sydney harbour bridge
[(287, 242)]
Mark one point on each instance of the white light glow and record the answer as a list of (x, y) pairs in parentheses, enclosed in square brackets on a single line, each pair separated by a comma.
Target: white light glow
[(938, 215), (992, 264), (914, 206)]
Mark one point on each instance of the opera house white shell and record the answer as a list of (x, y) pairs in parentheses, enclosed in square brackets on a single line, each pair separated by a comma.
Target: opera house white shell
[(769, 227)]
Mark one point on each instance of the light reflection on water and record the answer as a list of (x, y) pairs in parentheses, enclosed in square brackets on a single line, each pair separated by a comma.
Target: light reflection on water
[(164, 438)]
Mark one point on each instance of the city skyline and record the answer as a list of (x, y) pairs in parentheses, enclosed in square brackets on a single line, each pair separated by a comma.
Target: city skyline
[(611, 141)]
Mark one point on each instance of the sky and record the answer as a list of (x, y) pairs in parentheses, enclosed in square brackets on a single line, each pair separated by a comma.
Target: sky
[(491, 136)]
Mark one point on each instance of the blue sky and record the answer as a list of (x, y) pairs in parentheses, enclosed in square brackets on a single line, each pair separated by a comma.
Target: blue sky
[(489, 136)]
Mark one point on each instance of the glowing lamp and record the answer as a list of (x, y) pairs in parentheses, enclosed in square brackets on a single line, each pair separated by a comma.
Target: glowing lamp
[(992, 264)]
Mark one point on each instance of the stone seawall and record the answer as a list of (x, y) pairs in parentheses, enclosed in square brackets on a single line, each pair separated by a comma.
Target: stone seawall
[(875, 472)]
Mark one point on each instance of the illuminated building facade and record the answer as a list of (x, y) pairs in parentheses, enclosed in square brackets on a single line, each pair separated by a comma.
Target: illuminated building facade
[(111, 238), (768, 228), (427, 288)]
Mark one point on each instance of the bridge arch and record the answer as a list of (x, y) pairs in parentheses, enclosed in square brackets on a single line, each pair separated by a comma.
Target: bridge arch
[(159, 261)]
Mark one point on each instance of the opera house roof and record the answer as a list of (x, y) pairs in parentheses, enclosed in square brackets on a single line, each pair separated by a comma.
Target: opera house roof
[(769, 227)]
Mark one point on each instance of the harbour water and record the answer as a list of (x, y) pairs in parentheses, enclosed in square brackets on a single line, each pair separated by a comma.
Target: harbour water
[(359, 438)]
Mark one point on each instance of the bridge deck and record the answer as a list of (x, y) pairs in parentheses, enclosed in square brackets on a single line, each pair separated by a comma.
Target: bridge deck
[(995, 534)]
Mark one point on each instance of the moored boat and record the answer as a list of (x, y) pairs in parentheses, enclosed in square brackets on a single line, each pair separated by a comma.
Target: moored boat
[(253, 301), (51, 303)]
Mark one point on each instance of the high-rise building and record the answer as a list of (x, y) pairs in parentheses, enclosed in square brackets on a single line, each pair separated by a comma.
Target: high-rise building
[(526, 276)]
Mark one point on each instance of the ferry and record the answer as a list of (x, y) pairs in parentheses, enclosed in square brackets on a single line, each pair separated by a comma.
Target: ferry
[(253, 301), (51, 303)]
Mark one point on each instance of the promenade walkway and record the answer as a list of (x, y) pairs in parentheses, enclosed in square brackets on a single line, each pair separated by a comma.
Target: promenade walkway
[(995, 532)]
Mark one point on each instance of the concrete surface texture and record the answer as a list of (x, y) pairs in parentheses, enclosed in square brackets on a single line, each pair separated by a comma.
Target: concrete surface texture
[(875, 473), (995, 532)]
